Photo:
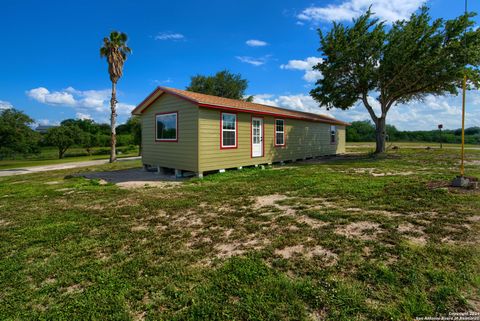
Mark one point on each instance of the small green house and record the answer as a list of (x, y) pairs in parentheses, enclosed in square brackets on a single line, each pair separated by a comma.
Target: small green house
[(199, 133)]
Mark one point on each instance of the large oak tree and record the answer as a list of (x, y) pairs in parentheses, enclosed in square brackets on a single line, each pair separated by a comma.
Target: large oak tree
[(395, 64)]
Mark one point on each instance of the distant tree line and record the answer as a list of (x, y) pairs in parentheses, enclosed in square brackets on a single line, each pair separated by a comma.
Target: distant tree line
[(18, 138), (364, 131)]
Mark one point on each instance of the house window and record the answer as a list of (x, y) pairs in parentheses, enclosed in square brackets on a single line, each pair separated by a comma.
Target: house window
[(333, 134), (279, 132), (166, 127), (229, 130)]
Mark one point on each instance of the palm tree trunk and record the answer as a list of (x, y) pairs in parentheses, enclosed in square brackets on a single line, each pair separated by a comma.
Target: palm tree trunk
[(113, 119)]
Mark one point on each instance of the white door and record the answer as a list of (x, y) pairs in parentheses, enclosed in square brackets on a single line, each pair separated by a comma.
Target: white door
[(257, 137)]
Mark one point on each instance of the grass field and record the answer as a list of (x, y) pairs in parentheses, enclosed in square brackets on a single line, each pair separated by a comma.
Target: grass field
[(354, 146), (49, 156), (354, 239)]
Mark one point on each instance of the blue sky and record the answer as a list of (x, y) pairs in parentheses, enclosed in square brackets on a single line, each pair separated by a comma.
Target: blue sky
[(51, 69)]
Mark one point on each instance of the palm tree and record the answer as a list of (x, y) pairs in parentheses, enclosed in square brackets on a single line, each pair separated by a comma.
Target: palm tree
[(115, 49)]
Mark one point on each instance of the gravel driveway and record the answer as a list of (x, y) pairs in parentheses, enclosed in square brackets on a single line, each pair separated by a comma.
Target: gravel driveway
[(134, 178)]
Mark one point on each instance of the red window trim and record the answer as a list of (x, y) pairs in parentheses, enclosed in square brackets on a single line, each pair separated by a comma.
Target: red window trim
[(221, 131), (275, 133), (251, 136), (163, 140)]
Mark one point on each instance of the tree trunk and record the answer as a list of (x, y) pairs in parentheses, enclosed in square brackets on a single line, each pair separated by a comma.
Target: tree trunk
[(61, 152), (113, 118), (380, 134)]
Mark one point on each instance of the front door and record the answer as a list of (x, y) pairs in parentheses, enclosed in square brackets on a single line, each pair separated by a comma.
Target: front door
[(257, 137)]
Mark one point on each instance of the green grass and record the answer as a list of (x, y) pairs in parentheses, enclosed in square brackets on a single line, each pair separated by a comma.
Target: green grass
[(339, 242), (49, 156)]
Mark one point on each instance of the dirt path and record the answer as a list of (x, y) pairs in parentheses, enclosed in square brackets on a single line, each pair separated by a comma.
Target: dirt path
[(44, 168)]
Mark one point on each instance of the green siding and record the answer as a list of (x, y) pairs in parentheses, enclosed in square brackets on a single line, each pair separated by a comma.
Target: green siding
[(182, 154), (303, 139)]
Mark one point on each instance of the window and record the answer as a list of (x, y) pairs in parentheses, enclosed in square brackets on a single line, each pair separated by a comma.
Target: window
[(229, 130), (279, 132), (333, 134), (166, 127)]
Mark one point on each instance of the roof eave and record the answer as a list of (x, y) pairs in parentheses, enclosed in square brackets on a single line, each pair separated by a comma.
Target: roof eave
[(147, 102), (252, 111)]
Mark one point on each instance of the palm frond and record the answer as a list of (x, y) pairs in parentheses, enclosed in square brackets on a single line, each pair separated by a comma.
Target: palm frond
[(115, 49)]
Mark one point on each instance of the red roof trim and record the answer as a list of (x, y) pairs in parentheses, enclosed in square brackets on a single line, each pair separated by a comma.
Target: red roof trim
[(250, 111)]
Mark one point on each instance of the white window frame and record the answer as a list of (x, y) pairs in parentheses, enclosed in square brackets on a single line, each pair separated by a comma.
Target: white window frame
[(234, 130), (333, 134), (280, 132), (157, 139)]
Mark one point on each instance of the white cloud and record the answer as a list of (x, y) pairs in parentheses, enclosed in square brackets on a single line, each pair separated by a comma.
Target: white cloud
[(88, 104), (43, 122), (256, 43), (254, 61), (168, 35), (419, 115), (299, 102), (4, 105), (124, 109), (160, 82), (388, 10), (306, 65), (43, 95), (83, 116)]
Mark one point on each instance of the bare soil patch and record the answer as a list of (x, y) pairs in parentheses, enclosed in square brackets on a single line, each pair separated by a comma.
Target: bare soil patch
[(272, 201), (417, 240), (318, 251), (4, 223), (300, 250), (139, 228), (376, 173), (269, 200), (75, 288), (363, 230), (289, 251), (313, 223), (52, 183)]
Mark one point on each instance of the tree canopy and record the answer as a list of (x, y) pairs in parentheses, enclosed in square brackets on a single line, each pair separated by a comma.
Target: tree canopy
[(407, 61), (63, 137), (16, 136), (223, 84)]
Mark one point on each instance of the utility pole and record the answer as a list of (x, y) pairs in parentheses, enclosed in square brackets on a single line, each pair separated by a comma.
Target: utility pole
[(464, 88)]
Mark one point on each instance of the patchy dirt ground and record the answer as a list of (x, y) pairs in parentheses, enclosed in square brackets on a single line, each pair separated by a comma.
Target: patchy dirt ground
[(327, 241)]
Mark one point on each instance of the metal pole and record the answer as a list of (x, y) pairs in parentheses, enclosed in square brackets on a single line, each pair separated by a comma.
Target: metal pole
[(462, 168), (441, 140)]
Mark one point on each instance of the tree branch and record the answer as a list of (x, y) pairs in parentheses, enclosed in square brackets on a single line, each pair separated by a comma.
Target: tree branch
[(369, 108)]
